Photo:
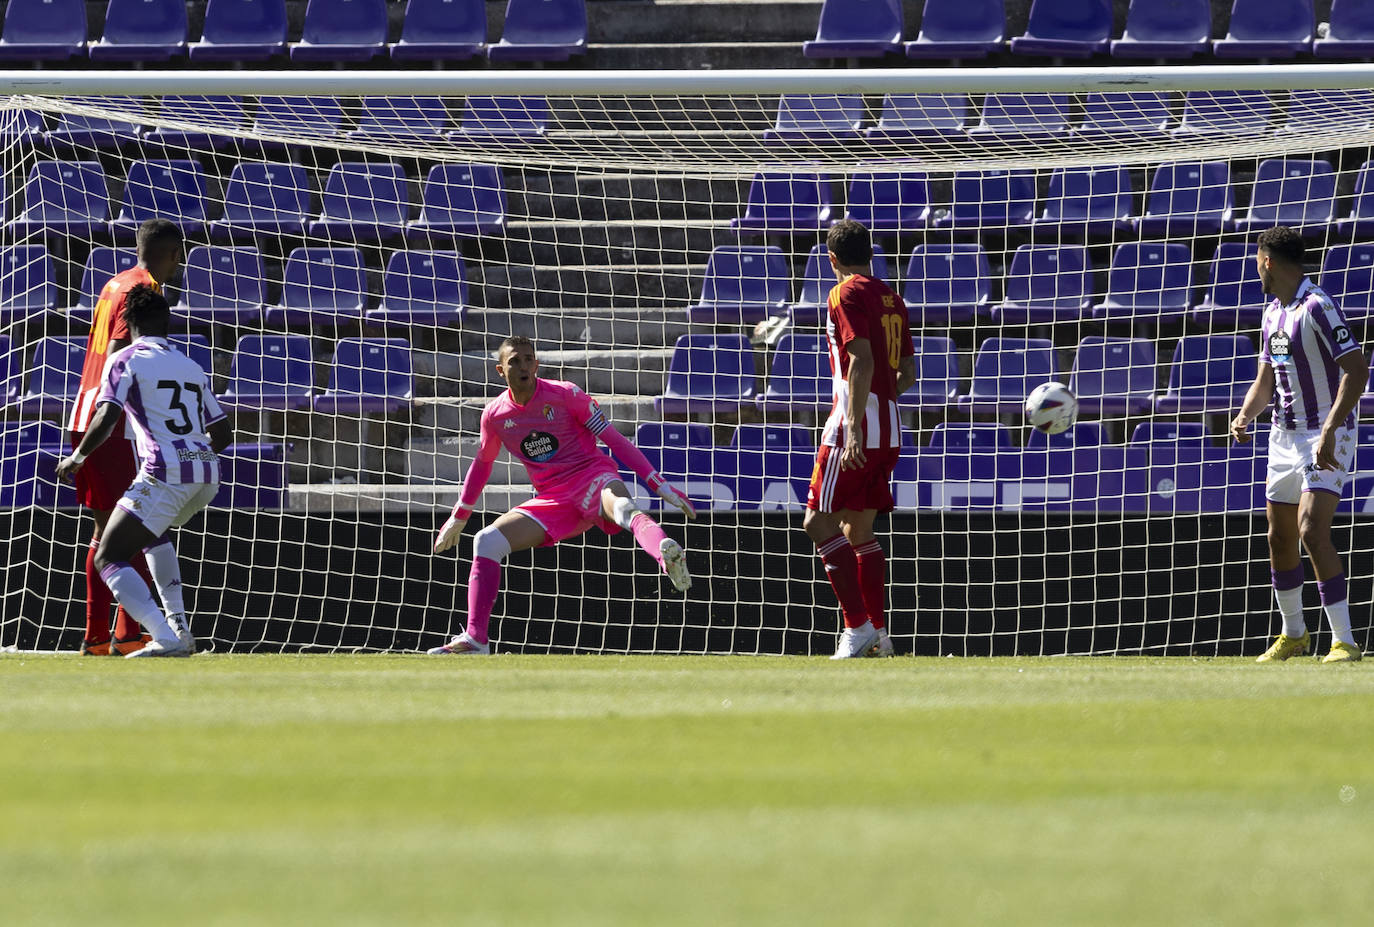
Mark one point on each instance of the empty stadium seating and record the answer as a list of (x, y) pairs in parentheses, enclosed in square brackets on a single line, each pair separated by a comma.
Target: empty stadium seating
[(786, 204), (170, 189), (1125, 117), (270, 372), (1148, 283), (1347, 276), (264, 199), (947, 283), (1229, 113), (460, 200), (1066, 29), (27, 285), (323, 286), (1180, 29), (1015, 117), (920, 115), (341, 30), (1209, 373), (222, 286), (1350, 32), (227, 111), (142, 30), (1235, 296), (1359, 222), (1005, 371), (1300, 194), (66, 198), (81, 133), (402, 120), (1188, 199), (799, 379), (742, 285), (504, 117), (1268, 29), (54, 373), (856, 29), (954, 29), (1086, 201), (773, 465), (363, 202), (889, 202), (11, 371), (1044, 284), (422, 288), (43, 30), (241, 30), (818, 118), (542, 30), (368, 375), (442, 30), (709, 373), (1113, 376), (937, 375), (990, 200)]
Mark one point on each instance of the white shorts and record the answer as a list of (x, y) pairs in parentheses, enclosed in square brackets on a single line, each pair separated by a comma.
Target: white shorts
[(162, 505), (1293, 469)]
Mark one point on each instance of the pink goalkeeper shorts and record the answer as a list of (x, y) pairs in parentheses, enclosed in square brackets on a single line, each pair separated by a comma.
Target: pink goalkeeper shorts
[(566, 515)]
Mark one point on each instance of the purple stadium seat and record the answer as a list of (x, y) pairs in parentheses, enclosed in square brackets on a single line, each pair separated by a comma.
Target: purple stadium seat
[(947, 283), (197, 348), (1228, 113), (65, 198), (774, 464), (927, 116), (1005, 370), (1308, 108), (162, 189), (1347, 276), (1299, 194), (54, 375), (427, 288), (743, 284), (889, 202), (1066, 29), (1013, 117), (442, 30), (1168, 433), (1350, 33), (323, 286), (1046, 284), (817, 118), (857, 29), (819, 278), (708, 373), (82, 134), (402, 120), (363, 201), (1235, 296), (1178, 29), (937, 375), (298, 118), (1113, 376), (1209, 373), (799, 379), (270, 372), (952, 29), (101, 264), (1127, 117), (990, 201), (504, 117), (1268, 29), (27, 285), (22, 126), (1188, 199), (460, 201), (342, 30), (142, 30), (1359, 223), (11, 371), (1081, 435), (368, 375), (219, 110), (1149, 282), (264, 199), (43, 30), (786, 204), (969, 437), (241, 30), (676, 447), (542, 30), (222, 285), (1085, 201)]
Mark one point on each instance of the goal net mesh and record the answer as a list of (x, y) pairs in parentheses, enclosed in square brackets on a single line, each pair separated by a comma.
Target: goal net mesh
[(352, 263)]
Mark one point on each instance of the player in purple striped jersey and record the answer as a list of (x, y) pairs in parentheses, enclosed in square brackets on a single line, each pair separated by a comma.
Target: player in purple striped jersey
[(1313, 369), (180, 429), (551, 427)]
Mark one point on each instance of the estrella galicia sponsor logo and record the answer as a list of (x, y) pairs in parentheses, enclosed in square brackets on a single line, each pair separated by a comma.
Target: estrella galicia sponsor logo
[(1280, 347), (539, 446), (1341, 334)]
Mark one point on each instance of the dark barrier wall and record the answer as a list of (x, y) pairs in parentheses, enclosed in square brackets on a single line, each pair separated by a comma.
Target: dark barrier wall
[(966, 585)]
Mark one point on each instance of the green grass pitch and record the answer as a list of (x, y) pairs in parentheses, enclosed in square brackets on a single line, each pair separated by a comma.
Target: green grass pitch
[(684, 790)]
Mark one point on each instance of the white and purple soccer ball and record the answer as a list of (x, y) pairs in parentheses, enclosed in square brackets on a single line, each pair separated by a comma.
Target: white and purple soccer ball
[(1051, 408)]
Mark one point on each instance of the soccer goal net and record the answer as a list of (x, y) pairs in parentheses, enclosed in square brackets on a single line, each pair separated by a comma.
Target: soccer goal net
[(357, 245)]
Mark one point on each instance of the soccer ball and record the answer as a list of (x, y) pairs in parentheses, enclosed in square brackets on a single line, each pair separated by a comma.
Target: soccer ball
[(1051, 408)]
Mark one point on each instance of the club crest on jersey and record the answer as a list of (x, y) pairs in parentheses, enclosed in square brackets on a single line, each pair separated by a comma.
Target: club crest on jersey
[(539, 446), (1280, 346), (548, 412)]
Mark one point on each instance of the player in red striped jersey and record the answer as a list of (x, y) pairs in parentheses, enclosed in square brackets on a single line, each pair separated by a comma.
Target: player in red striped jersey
[(111, 468), (873, 362)]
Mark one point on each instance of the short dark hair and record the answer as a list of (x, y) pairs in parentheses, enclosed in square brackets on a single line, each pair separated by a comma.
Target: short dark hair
[(144, 305), (514, 341), (850, 242), (157, 235), (1283, 242)]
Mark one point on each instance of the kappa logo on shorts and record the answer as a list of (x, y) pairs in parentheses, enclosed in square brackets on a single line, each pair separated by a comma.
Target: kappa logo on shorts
[(1280, 346), (539, 446)]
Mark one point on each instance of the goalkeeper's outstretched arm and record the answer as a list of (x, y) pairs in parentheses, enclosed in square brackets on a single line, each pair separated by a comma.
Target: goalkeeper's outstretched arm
[(473, 484)]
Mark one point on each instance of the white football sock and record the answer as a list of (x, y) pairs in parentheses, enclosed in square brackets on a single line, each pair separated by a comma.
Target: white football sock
[(1290, 607), (1338, 616), (166, 572), (133, 593)]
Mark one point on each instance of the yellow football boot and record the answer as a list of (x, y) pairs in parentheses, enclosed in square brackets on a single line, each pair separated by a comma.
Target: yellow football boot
[(1285, 647), (1343, 653)]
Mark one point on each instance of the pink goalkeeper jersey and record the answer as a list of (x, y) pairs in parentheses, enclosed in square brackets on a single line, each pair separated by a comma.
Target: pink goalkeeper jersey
[(554, 435)]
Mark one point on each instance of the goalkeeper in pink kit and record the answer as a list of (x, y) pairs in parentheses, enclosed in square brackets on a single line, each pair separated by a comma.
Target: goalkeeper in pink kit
[(552, 428)]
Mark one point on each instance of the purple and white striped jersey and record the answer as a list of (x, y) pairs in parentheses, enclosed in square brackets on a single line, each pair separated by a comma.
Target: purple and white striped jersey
[(167, 398), (1301, 341)]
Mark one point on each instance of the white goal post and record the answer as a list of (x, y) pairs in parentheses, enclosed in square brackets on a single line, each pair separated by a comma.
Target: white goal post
[(358, 242)]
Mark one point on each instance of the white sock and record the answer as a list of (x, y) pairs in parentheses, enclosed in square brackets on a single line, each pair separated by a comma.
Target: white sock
[(1290, 607), (1338, 616), (133, 593), (166, 572)]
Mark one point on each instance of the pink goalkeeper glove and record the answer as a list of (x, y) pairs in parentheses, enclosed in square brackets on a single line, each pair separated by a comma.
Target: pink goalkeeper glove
[(671, 495)]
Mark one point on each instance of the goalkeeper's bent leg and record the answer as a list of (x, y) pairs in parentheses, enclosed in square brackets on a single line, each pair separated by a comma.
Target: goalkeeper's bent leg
[(489, 548), (646, 531)]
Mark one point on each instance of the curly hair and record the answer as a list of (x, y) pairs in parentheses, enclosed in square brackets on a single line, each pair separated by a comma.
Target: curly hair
[(1283, 242)]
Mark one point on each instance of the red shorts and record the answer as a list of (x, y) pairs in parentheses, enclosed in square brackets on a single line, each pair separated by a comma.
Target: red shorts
[(869, 487), (564, 516), (107, 473)]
